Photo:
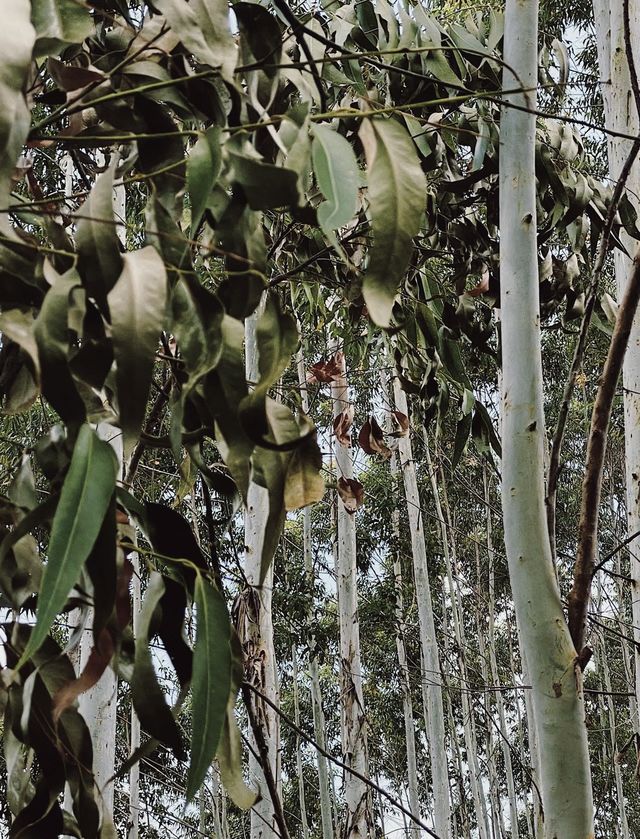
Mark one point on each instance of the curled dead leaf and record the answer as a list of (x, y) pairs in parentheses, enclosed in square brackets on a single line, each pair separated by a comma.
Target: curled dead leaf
[(326, 371), (371, 439), (400, 423), (342, 425), (351, 493)]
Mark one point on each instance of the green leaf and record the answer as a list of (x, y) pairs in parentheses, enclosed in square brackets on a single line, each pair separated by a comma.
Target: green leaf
[(397, 194), (17, 37), (265, 186), (59, 23), (203, 28), (203, 168), (197, 317), (211, 681), (224, 389), (137, 304), (99, 258), (229, 754), (261, 48), (304, 484), (338, 176), (463, 429), (85, 497), (18, 324), (51, 330), (277, 339), (229, 757), (147, 696)]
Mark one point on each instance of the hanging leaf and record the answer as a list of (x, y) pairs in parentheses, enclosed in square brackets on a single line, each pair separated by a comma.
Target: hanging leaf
[(147, 696), (276, 338), (396, 194), (197, 317), (325, 371), (99, 258), (338, 176), (261, 49), (265, 185), (371, 439), (51, 331), (18, 325), (342, 425), (203, 168), (211, 681), (203, 28), (137, 304), (303, 481), (86, 494), (351, 492), (58, 24)]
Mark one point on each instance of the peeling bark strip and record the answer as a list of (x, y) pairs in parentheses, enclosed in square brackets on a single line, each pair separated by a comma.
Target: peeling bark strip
[(596, 447), (544, 634)]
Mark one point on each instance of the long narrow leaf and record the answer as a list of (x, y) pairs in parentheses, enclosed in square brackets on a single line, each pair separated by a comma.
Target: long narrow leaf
[(211, 684), (84, 501)]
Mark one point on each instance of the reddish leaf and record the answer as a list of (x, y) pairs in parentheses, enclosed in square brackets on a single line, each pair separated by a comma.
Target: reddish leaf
[(352, 493), (400, 424), (371, 439), (341, 426), (363, 438), (326, 371)]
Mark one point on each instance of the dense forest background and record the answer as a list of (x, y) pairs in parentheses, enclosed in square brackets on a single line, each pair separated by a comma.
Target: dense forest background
[(253, 569)]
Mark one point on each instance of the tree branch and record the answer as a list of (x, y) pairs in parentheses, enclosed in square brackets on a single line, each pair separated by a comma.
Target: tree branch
[(263, 751), (584, 567)]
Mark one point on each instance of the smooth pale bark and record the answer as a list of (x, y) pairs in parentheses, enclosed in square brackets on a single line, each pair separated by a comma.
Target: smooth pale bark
[(319, 726), (558, 706), (260, 663), (493, 667), (304, 824), (401, 649), (358, 821), (620, 115), (432, 678), (468, 720), (495, 785)]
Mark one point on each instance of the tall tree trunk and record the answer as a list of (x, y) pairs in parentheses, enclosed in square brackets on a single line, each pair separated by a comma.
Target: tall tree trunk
[(134, 739), (304, 824), (358, 821), (621, 115), (401, 648), (412, 830), (258, 630), (544, 634), (314, 675), (493, 665), (449, 552), (432, 678)]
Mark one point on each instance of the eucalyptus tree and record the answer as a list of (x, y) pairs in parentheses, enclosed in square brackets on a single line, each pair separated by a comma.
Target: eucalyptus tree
[(312, 151)]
